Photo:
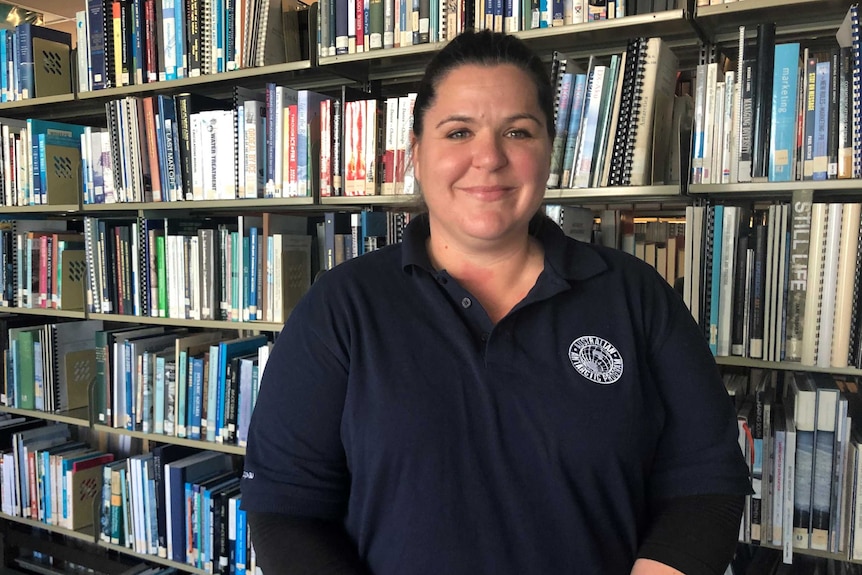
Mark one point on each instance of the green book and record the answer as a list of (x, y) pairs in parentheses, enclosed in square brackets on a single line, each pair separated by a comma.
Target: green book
[(161, 274), (25, 368)]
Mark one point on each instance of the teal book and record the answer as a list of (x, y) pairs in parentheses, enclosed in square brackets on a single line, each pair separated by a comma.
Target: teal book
[(227, 351), (782, 134), (25, 370), (579, 91), (715, 278)]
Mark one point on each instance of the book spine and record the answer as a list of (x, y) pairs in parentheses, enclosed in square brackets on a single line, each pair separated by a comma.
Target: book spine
[(820, 168), (783, 128), (800, 239)]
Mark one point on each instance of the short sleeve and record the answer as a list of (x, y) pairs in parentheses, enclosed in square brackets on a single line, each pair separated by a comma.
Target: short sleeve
[(295, 460), (698, 452)]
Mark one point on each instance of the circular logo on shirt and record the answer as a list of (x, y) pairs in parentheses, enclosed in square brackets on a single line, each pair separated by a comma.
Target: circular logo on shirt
[(596, 359)]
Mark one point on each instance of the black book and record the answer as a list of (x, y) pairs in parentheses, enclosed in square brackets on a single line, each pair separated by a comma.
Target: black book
[(762, 100), (163, 454)]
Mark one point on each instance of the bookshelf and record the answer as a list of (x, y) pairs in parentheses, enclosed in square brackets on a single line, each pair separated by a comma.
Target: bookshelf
[(685, 30)]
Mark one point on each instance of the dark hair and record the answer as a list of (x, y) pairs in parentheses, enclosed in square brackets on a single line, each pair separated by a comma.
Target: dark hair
[(484, 48)]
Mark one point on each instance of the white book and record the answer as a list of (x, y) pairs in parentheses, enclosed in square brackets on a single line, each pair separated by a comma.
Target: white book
[(830, 284), (781, 276), (846, 272), (813, 289), (718, 132), (697, 243), (710, 81), (584, 162), (730, 228), (768, 288), (728, 147)]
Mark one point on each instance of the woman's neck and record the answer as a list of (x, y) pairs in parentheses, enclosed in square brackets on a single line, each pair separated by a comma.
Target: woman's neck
[(499, 279)]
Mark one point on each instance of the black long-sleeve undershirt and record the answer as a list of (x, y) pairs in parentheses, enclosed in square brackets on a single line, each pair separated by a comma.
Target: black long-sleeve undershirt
[(695, 535)]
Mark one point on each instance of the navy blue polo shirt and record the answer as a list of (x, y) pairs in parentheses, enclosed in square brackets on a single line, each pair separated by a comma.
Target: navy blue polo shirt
[(449, 445)]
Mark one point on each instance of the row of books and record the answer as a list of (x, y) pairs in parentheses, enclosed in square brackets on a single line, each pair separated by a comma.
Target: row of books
[(49, 367), (173, 382), (173, 502), (245, 268), (658, 242), (777, 284), (126, 42), (41, 266), (351, 26), (784, 114), (40, 162), (799, 433), (35, 61), (751, 560), (46, 475), (613, 120), (179, 504)]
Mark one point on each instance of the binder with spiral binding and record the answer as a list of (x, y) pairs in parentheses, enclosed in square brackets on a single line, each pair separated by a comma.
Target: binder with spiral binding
[(856, 52), (631, 72), (635, 124)]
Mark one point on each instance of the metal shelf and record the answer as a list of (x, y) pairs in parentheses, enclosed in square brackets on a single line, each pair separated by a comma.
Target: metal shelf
[(626, 194), (78, 417), (152, 558), (201, 323), (196, 443), (52, 313), (793, 18), (783, 365), (776, 190), (80, 535), (62, 209), (241, 204)]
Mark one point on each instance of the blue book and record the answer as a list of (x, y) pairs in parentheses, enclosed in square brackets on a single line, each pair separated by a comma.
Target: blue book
[(63, 135), (308, 114), (180, 44), (220, 28), (579, 91), (172, 186), (191, 469), (227, 351), (26, 33), (561, 123), (782, 133), (195, 407), (718, 231), (253, 272), (4, 76), (821, 120), (584, 162), (241, 543), (136, 70), (212, 393)]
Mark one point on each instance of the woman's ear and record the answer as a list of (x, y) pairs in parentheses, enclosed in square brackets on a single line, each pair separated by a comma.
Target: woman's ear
[(414, 155)]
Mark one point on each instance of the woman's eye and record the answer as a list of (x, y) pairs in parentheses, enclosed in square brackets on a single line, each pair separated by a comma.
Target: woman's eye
[(518, 133), (457, 134)]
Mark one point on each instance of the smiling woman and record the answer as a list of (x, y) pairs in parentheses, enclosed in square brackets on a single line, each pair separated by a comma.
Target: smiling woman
[(491, 396)]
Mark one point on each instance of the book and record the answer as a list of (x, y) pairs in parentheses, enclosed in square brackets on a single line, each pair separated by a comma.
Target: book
[(762, 102), (782, 132), (801, 220)]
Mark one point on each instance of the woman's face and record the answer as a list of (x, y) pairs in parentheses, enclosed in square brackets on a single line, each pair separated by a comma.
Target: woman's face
[(484, 155)]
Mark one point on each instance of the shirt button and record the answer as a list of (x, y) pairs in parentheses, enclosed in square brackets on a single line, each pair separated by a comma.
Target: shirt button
[(465, 303), (442, 280), (484, 336)]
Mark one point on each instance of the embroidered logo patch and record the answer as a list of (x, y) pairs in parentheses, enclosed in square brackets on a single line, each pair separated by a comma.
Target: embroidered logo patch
[(596, 359)]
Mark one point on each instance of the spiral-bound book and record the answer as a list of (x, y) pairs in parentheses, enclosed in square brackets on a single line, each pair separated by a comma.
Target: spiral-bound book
[(631, 77), (651, 135), (635, 116), (857, 90)]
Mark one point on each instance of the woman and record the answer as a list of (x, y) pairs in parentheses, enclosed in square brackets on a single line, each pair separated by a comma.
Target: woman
[(491, 396)]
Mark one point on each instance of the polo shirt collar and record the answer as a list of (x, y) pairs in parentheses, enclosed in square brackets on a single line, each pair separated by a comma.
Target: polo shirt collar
[(569, 259)]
